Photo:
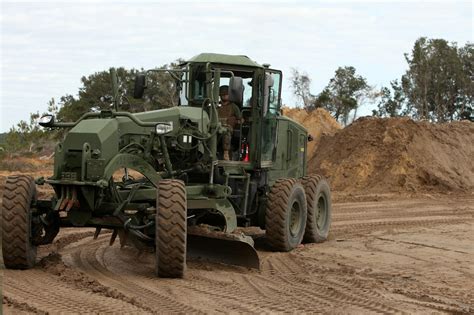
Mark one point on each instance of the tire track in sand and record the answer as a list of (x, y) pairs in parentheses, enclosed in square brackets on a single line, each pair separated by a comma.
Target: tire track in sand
[(298, 282), (290, 270), (45, 293), (86, 259)]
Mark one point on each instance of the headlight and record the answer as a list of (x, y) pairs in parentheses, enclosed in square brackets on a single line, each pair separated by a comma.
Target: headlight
[(187, 139), (46, 120), (164, 128)]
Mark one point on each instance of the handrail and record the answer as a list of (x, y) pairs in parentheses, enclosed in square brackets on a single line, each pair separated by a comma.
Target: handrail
[(103, 115)]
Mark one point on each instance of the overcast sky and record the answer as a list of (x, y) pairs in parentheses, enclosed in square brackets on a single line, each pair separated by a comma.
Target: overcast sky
[(46, 47)]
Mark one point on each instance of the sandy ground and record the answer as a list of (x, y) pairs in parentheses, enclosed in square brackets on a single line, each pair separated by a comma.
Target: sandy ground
[(412, 255)]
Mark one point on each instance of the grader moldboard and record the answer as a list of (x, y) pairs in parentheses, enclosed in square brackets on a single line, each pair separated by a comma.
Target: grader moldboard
[(187, 199)]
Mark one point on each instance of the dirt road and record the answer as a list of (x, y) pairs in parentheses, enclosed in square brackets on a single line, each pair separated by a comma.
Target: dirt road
[(410, 255)]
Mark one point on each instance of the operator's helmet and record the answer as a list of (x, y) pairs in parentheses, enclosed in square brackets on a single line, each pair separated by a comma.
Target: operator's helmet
[(224, 90)]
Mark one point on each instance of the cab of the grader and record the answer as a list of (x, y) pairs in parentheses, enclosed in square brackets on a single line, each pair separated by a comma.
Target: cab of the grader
[(265, 139), (265, 145)]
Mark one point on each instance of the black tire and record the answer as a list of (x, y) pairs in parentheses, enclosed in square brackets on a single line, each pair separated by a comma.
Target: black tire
[(171, 229), (285, 215), (19, 193), (318, 196)]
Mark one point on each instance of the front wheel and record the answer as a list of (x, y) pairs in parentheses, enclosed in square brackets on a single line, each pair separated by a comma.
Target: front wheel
[(19, 192), (171, 226), (285, 215)]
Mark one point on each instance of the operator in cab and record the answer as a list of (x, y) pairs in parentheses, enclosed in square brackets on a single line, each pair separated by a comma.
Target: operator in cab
[(230, 116)]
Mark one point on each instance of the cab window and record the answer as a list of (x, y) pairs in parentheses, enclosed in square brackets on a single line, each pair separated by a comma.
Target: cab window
[(197, 85), (247, 79), (274, 94)]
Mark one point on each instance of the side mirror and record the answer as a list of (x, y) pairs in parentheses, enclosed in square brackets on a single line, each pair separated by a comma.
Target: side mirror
[(236, 90), (140, 85), (310, 138), (46, 121)]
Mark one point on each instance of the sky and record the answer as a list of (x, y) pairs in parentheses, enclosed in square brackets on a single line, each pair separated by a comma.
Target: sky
[(46, 47)]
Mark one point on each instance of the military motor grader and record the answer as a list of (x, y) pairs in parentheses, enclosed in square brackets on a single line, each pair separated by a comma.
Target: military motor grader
[(186, 197)]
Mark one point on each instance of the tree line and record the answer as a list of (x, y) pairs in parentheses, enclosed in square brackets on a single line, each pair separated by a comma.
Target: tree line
[(437, 86)]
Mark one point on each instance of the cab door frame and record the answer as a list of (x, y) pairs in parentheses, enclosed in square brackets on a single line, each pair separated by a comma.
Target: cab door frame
[(269, 111)]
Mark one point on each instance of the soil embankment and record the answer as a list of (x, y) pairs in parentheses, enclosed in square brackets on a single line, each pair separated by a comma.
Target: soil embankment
[(382, 155), (398, 154)]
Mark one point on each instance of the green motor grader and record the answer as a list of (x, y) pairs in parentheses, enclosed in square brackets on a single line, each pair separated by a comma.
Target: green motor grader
[(158, 180)]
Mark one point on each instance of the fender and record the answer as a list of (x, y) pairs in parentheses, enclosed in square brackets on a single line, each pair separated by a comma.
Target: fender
[(125, 160)]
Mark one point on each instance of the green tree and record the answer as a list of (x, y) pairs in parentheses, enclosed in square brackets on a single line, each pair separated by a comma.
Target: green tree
[(163, 90), (438, 82), (28, 135), (96, 93), (344, 93), (25, 135), (466, 100), (300, 85), (392, 101)]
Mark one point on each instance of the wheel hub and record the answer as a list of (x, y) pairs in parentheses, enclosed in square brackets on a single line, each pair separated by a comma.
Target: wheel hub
[(295, 222), (321, 214)]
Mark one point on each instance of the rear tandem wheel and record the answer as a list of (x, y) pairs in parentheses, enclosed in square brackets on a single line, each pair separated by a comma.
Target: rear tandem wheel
[(285, 215), (318, 196)]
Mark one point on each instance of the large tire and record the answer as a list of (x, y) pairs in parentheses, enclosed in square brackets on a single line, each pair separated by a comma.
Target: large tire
[(171, 229), (318, 196), (19, 193), (285, 215)]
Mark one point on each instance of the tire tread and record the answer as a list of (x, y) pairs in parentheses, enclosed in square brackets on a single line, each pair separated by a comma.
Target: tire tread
[(18, 251), (171, 228), (276, 214), (310, 184)]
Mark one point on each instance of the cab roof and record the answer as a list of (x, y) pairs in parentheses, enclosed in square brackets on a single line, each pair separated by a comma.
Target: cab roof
[(239, 60)]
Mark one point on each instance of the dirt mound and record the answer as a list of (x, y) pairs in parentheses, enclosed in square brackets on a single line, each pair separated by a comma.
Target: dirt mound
[(398, 154), (318, 122)]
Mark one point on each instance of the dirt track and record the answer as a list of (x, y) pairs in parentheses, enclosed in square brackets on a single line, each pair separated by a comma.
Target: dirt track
[(410, 255)]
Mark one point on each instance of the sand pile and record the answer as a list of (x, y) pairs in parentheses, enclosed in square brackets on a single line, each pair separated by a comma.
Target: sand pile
[(318, 122), (398, 154)]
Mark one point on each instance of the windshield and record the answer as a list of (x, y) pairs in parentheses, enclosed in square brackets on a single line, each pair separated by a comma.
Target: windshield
[(195, 89), (247, 99)]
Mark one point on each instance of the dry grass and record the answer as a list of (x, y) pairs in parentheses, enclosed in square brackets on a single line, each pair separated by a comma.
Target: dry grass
[(20, 164)]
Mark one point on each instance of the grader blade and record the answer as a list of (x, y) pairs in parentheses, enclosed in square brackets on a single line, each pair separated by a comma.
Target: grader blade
[(227, 248)]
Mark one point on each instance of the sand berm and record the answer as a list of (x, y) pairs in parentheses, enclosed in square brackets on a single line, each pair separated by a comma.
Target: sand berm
[(390, 154)]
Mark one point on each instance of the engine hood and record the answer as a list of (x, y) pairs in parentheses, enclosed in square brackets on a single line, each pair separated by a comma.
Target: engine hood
[(175, 114)]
